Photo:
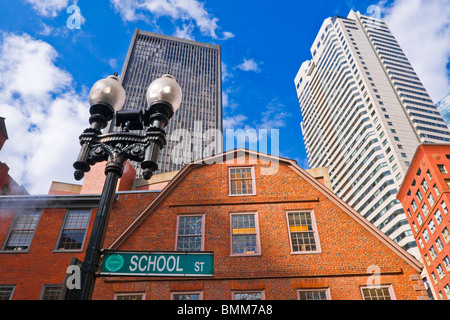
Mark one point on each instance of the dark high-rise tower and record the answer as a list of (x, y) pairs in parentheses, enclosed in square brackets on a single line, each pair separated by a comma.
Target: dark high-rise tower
[(196, 67)]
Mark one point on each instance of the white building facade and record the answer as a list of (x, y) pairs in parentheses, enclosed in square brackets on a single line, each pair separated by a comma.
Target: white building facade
[(364, 113)]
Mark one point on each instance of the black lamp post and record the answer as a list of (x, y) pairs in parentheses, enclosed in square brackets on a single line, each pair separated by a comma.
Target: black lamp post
[(107, 97)]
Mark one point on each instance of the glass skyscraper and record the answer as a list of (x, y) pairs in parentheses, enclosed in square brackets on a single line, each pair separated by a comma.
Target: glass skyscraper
[(196, 67), (365, 111), (444, 108)]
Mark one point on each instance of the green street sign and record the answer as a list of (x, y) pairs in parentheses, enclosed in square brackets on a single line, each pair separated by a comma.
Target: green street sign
[(179, 264)]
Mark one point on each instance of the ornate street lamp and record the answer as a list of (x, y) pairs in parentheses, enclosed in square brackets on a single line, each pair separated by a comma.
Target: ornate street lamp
[(106, 98)]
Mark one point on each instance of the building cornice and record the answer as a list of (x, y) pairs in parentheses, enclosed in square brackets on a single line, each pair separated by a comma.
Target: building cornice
[(49, 201)]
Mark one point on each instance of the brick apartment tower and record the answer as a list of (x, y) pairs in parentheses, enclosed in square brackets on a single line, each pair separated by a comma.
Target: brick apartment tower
[(425, 196), (277, 234)]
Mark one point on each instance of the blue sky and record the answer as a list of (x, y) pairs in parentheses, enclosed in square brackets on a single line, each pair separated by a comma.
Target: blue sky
[(47, 68)]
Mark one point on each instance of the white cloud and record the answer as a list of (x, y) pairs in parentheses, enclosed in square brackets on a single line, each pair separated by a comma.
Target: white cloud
[(43, 115), (225, 99), (227, 35), (185, 32), (184, 10), (29, 68), (48, 8), (274, 116), (234, 122), (128, 9), (52, 8), (113, 63), (46, 30), (225, 74), (240, 132), (249, 65), (422, 29)]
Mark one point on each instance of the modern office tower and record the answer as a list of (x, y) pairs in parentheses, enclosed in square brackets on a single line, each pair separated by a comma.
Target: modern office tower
[(196, 67), (365, 111), (443, 107)]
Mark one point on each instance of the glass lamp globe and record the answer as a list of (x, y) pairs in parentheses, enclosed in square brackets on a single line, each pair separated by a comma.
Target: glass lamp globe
[(108, 92), (165, 89)]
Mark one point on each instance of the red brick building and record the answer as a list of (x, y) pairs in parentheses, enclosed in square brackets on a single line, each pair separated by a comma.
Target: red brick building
[(275, 234), (425, 195), (7, 184)]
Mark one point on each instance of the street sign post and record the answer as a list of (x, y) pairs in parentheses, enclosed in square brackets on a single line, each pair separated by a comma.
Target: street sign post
[(177, 264)]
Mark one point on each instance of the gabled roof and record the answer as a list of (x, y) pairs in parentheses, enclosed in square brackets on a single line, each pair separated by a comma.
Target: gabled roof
[(234, 154)]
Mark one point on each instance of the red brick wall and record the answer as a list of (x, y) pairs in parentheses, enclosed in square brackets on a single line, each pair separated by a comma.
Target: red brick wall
[(40, 265), (347, 248), (427, 158)]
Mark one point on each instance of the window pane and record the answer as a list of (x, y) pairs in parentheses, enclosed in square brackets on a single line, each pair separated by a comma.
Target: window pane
[(244, 234), (442, 168), (243, 223), (189, 244), (51, 293), (190, 233), (27, 221), (74, 230), (303, 241), (71, 239), (313, 295), (376, 293), (22, 231), (302, 233), (247, 296), (190, 226), (241, 181), (244, 244), (19, 240), (186, 296), (129, 297), (6, 293)]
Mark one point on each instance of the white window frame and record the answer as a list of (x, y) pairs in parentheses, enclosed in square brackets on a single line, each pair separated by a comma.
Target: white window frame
[(389, 286), (445, 169), (12, 287), (444, 207), (50, 286), (258, 242), (199, 292), (234, 292), (203, 229), (438, 216), (253, 181), (447, 290), (13, 228), (315, 231), (122, 294), (327, 292), (66, 216)]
